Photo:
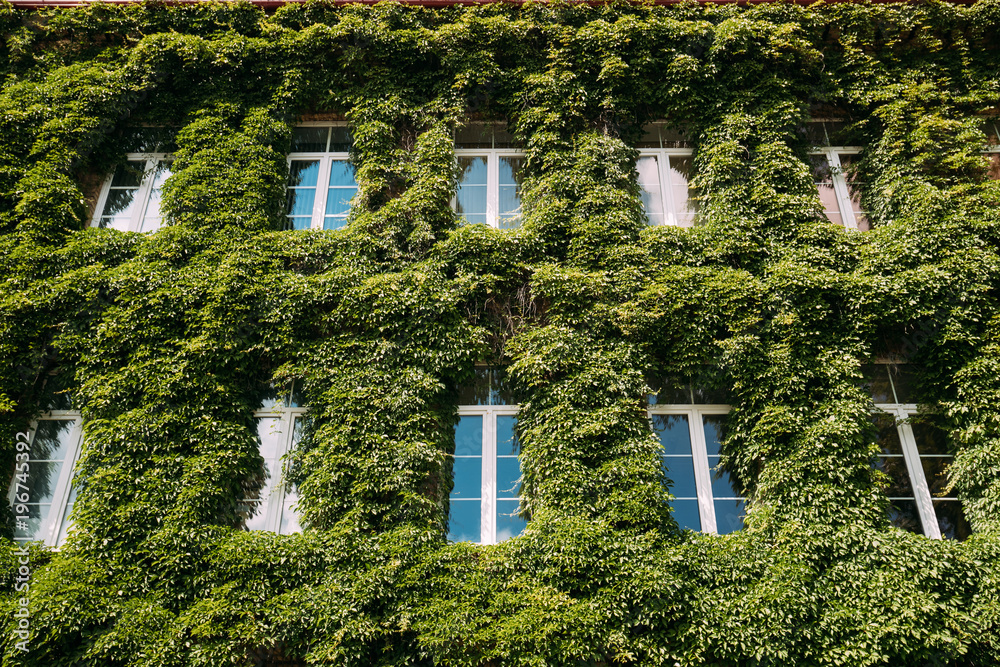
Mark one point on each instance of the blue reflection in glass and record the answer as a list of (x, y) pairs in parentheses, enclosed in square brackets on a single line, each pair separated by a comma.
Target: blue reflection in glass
[(506, 435), (463, 521), (729, 515), (508, 476), (508, 523), (467, 474), (675, 436), (686, 514), (469, 436), (680, 471)]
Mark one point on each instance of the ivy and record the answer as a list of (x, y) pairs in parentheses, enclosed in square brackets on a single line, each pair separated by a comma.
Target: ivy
[(167, 342)]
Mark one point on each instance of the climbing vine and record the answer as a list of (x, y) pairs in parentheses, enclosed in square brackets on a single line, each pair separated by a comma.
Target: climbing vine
[(168, 342)]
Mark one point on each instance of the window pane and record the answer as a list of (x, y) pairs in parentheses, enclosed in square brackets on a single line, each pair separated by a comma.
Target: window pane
[(507, 435), (300, 202), (508, 523), (729, 515), (650, 137), (876, 378), (341, 139), (649, 182), (128, 175), (289, 516), (338, 199), (675, 436), (309, 139), (899, 477), (470, 197), (508, 476), (253, 514), (151, 219), (474, 136), (303, 173), (678, 176), (510, 191), (680, 472), (463, 521), (951, 520), (715, 432), (467, 474), (469, 436), (931, 441), (903, 514), (936, 474), (28, 529), (67, 522), (52, 440), (888, 434), (687, 514), (117, 213)]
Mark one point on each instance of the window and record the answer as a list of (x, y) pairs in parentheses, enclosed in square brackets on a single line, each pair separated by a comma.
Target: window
[(489, 184), (40, 490), (664, 167), (831, 165), (321, 180), (130, 199), (279, 426), (691, 436), (914, 454), (486, 472)]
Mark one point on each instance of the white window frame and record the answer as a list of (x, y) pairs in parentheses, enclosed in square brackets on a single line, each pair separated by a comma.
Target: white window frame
[(699, 453), (911, 455), (273, 504), (841, 187), (492, 156), (141, 200), (326, 159), (50, 532), (488, 492), (663, 155)]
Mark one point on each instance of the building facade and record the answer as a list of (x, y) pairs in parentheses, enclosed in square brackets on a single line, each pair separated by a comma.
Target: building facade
[(500, 334)]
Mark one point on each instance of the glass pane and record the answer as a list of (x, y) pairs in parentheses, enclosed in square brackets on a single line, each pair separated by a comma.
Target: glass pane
[(715, 432), (52, 440), (729, 515), (470, 197), (649, 182), (43, 476), (309, 139), (876, 378), (303, 173), (67, 521), (650, 137), (508, 476), (476, 135), (675, 436), (936, 474), (300, 223), (680, 472), (888, 434), (951, 520), (342, 174), (289, 516), (722, 485), (29, 529), (341, 139), (468, 478), (507, 435), (679, 175), (151, 219), (463, 521), (300, 202), (128, 175), (510, 191), (687, 514), (118, 208), (899, 476), (931, 441), (269, 435), (508, 523), (469, 436), (903, 514), (501, 137), (253, 515)]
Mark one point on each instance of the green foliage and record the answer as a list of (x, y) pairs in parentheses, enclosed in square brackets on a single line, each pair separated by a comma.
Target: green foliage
[(167, 341)]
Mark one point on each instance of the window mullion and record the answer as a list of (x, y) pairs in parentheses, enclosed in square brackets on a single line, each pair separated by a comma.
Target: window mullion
[(322, 191), (492, 189), (840, 188), (489, 490), (921, 492), (666, 192), (50, 533), (702, 475)]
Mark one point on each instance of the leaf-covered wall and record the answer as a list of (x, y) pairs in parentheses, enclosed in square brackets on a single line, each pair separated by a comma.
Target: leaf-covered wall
[(168, 341)]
